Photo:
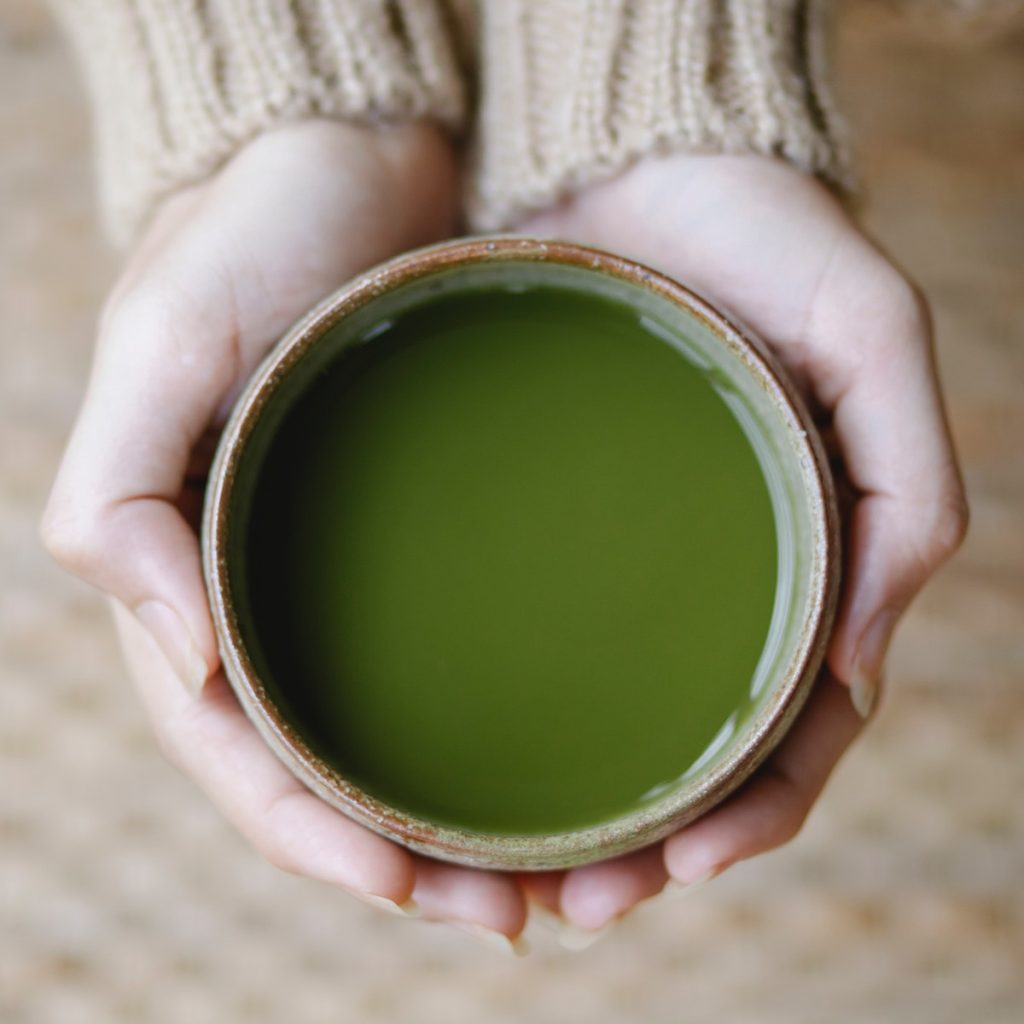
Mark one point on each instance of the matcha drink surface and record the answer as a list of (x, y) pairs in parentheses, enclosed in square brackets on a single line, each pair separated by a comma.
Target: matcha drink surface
[(510, 565)]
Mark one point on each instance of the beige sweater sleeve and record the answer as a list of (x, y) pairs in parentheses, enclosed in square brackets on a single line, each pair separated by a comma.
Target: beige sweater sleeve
[(573, 90), (179, 85), (569, 90)]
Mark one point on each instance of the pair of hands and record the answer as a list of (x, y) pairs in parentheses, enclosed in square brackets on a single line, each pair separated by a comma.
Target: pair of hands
[(228, 265)]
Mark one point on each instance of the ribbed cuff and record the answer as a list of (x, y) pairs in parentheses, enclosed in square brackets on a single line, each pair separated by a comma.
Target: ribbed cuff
[(179, 85), (574, 90)]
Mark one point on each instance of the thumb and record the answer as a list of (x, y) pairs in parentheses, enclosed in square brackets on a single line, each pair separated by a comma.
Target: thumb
[(112, 517)]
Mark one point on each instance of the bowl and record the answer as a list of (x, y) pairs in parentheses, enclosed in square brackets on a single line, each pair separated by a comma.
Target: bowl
[(761, 398)]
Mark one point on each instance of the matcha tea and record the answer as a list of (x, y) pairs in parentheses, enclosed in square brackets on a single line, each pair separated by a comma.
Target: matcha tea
[(510, 564)]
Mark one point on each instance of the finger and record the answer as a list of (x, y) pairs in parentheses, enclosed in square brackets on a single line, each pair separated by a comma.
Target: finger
[(113, 517), (213, 742), (771, 808), (874, 364), (542, 888), (595, 895), (485, 903)]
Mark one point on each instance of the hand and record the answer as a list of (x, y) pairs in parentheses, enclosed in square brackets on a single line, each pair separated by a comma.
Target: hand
[(224, 270), (775, 248)]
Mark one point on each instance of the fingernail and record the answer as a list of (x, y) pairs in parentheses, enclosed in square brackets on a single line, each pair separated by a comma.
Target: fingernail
[(867, 669), (173, 638), (496, 940), (576, 939), (407, 909), (863, 694), (676, 887)]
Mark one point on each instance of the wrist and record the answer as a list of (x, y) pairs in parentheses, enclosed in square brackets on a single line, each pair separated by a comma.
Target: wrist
[(413, 164), (178, 88), (571, 102)]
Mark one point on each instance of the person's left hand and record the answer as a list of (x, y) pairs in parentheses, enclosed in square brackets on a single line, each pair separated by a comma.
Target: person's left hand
[(772, 246)]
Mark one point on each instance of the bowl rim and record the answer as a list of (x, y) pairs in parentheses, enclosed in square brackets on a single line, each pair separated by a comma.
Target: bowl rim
[(637, 828)]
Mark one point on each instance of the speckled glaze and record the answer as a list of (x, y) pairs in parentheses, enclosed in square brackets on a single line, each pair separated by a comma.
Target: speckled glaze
[(692, 796)]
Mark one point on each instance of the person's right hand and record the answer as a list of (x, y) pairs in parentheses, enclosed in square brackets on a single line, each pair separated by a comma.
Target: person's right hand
[(224, 270)]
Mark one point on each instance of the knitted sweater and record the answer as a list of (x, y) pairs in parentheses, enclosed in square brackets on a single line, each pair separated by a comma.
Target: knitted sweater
[(566, 91)]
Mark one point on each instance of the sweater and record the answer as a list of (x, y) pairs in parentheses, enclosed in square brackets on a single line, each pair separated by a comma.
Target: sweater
[(564, 91)]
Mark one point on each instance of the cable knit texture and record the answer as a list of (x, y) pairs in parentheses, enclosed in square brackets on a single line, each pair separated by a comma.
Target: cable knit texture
[(570, 90), (179, 85), (573, 90)]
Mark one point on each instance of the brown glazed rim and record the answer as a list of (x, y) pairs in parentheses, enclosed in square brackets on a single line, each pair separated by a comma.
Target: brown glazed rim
[(636, 829)]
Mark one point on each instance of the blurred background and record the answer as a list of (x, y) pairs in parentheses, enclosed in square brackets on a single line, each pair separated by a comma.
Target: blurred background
[(124, 898)]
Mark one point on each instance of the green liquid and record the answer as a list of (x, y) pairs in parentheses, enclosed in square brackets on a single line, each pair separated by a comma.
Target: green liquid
[(511, 564)]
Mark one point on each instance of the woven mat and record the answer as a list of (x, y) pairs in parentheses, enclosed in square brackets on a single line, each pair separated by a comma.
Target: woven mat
[(123, 897)]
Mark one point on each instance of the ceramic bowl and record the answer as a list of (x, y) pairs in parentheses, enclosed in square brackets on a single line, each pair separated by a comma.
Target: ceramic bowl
[(774, 420)]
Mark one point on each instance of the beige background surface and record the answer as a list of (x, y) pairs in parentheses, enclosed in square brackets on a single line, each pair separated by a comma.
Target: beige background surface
[(123, 898)]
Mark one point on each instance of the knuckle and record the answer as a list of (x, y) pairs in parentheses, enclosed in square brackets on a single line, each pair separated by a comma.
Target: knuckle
[(167, 745), (188, 332), (910, 299), (791, 824), (154, 307), (792, 806), (71, 538), (129, 314), (948, 527), (279, 855), (138, 299), (906, 309), (279, 841)]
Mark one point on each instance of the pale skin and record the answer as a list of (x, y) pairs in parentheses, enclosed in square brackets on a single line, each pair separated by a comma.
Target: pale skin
[(227, 265)]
